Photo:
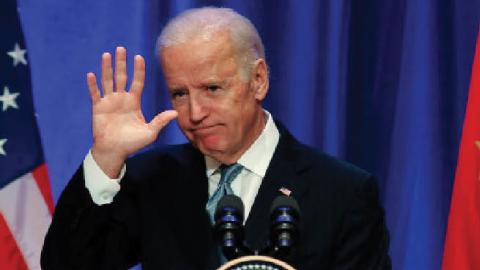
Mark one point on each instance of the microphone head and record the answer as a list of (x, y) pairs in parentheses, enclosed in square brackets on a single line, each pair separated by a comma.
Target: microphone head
[(230, 205), (284, 229), (285, 202), (229, 225)]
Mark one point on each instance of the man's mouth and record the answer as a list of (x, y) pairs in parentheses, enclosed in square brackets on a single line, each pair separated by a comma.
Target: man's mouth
[(204, 130)]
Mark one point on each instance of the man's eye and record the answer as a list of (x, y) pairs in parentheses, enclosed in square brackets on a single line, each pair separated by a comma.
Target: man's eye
[(213, 88), (178, 94)]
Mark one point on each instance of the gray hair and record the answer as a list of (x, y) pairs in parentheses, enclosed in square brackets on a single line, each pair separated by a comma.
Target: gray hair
[(207, 21)]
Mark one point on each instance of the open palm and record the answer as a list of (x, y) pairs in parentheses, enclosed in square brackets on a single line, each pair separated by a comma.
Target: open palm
[(119, 127)]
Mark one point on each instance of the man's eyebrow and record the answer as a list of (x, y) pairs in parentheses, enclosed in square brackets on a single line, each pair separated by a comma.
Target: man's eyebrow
[(212, 82), (175, 88)]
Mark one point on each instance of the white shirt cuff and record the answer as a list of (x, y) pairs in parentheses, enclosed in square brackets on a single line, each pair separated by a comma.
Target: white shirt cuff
[(101, 187)]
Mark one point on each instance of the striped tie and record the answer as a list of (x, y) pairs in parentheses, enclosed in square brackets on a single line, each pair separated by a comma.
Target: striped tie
[(228, 174)]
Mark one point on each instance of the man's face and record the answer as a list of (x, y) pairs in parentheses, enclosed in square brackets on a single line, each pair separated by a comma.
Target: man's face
[(218, 110)]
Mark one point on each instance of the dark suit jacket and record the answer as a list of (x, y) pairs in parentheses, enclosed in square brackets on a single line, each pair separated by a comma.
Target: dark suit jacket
[(159, 217)]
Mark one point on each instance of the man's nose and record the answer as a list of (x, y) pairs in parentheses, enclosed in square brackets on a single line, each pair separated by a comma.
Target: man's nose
[(198, 108)]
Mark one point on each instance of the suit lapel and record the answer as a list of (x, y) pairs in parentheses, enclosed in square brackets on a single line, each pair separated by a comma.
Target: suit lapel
[(197, 233), (283, 172)]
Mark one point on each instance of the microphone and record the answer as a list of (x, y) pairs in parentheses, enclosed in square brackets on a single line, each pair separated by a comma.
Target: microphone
[(229, 230), (284, 218)]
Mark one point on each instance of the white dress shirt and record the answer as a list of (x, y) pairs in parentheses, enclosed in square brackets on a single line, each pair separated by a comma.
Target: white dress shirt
[(255, 162)]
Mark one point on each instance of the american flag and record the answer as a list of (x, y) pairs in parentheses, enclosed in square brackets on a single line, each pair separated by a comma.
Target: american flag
[(285, 191), (26, 203)]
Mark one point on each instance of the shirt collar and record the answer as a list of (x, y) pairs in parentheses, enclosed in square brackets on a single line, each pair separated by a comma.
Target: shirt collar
[(258, 155)]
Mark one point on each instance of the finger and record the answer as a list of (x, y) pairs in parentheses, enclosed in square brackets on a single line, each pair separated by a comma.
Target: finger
[(107, 80), (138, 75), (93, 87), (120, 69), (162, 119)]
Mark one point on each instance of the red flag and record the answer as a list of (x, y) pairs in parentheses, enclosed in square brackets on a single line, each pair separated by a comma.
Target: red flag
[(462, 244)]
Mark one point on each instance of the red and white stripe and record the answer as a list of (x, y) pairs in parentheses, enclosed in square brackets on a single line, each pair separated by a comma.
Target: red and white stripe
[(26, 208)]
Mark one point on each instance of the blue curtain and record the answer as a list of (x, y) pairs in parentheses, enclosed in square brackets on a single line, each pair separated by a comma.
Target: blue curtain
[(380, 83)]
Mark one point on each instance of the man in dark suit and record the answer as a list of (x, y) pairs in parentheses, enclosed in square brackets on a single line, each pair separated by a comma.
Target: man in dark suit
[(155, 209)]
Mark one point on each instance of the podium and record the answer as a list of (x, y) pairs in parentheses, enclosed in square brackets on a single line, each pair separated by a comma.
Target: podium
[(256, 263)]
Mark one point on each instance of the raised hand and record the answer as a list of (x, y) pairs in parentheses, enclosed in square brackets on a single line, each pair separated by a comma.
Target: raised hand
[(119, 127)]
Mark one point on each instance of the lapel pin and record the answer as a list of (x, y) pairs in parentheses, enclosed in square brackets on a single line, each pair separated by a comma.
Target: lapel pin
[(285, 191)]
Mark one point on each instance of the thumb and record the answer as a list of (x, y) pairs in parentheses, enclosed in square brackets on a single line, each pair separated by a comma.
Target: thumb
[(162, 119)]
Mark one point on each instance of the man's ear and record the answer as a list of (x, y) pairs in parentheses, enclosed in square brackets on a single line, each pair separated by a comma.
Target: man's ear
[(259, 79)]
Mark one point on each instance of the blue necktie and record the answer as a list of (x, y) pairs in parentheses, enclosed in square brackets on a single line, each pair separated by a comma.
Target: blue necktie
[(228, 174)]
